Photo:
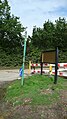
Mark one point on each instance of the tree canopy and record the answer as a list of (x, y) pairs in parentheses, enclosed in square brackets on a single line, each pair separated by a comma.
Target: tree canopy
[(48, 37), (10, 27), (51, 35), (10, 33)]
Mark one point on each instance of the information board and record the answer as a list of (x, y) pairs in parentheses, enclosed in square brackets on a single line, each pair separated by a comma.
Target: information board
[(49, 57)]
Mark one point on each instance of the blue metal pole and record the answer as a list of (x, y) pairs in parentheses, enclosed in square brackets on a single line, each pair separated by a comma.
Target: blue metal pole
[(22, 82)]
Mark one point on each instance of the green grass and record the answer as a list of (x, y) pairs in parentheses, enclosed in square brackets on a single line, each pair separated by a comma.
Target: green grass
[(37, 90)]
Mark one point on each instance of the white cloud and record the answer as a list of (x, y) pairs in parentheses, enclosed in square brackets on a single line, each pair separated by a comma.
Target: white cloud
[(36, 12)]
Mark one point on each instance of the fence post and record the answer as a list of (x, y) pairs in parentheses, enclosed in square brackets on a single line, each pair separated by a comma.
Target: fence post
[(41, 67), (56, 65)]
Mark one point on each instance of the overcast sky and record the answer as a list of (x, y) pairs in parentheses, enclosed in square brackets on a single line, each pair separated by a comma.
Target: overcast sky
[(36, 12)]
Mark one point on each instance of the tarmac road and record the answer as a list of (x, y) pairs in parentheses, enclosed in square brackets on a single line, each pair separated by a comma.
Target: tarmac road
[(10, 75)]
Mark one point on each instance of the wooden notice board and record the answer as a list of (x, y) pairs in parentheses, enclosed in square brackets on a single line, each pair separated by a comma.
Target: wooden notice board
[(48, 57), (52, 58)]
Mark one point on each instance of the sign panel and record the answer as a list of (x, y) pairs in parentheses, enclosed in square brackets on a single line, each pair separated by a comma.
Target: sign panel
[(48, 57)]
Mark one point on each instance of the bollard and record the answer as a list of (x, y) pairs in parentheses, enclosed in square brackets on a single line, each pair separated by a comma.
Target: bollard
[(50, 69)]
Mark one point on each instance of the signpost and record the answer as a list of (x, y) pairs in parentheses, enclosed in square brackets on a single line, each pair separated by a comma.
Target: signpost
[(24, 52), (52, 58)]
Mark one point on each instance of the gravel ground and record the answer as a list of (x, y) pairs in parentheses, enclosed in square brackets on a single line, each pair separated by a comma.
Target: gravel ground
[(10, 75)]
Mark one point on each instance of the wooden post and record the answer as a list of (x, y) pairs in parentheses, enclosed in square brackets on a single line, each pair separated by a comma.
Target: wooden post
[(56, 66), (41, 67)]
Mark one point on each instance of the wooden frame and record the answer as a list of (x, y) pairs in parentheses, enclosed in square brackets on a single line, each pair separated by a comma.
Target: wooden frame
[(51, 57)]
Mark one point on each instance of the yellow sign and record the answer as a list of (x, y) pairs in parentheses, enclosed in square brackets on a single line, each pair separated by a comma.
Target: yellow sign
[(48, 56)]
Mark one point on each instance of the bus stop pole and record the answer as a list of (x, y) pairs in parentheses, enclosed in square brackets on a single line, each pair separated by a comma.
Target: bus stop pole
[(24, 52)]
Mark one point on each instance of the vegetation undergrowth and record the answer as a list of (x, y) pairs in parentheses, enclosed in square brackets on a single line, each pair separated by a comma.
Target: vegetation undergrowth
[(37, 90)]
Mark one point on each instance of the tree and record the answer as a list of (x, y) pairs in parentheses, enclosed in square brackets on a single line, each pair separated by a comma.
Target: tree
[(10, 27), (51, 36), (42, 37), (60, 34), (10, 36)]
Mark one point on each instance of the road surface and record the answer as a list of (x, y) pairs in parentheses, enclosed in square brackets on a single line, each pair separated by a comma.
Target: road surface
[(10, 75)]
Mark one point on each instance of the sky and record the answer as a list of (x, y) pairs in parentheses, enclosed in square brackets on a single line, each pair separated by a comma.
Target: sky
[(36, 12)]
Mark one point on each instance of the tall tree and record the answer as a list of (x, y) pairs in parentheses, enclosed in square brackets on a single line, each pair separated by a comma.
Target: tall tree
[(50, 36), (10, 27), (10, 36), (42, 37), (60, 34)]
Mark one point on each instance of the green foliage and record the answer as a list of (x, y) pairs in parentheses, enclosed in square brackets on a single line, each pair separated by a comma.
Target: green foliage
[(60, 34), (10, 27), (63, 56), (10, 36), (51, 36), (37, 90), (34, 55), (8, 59)]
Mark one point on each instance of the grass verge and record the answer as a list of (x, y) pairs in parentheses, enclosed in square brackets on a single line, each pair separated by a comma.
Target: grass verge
[(37, 90)]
